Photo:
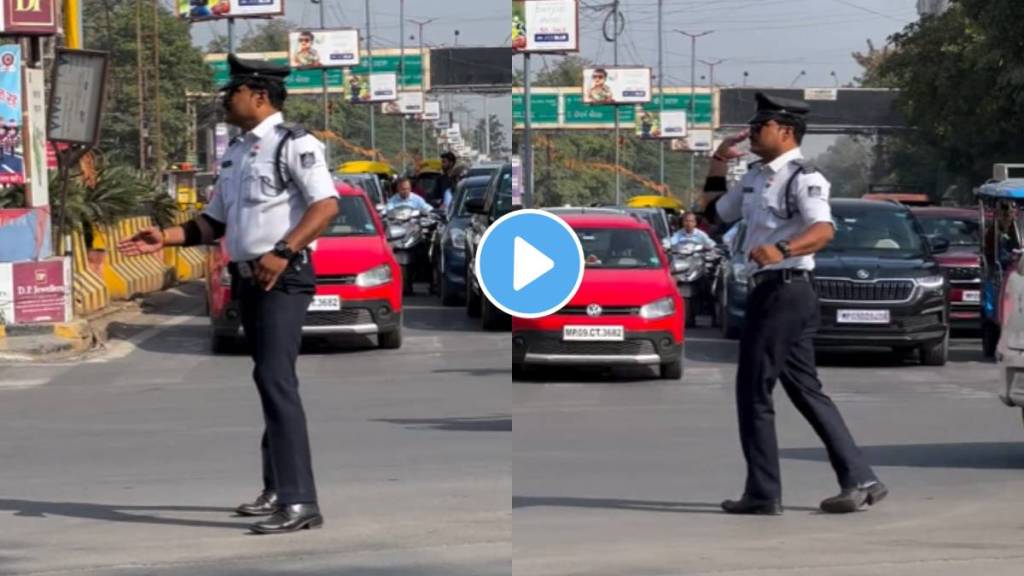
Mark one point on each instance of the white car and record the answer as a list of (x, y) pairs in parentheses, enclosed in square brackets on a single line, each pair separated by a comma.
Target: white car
[(1010, 351)]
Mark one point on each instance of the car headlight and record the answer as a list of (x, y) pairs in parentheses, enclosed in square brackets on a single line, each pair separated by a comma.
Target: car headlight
[(658, 309), (374, 277), (225, 276), (932, 282), (458, 239)]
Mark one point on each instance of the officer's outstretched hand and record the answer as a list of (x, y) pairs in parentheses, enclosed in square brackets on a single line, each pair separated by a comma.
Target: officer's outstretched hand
[(146, 241), (729, 150), (269, 269)]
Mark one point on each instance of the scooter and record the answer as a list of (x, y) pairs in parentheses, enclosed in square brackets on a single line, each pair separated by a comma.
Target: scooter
[(695, 268), (409, 234)]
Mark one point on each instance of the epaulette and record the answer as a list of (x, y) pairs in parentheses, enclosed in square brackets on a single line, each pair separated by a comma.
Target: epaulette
[(754, 164), (805, 165), (294, 130)]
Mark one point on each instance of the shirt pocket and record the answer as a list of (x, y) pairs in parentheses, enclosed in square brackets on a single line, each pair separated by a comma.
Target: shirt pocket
[(260, 185)]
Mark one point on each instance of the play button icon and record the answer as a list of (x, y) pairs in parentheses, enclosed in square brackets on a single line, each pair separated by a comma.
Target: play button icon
[(529, 263)]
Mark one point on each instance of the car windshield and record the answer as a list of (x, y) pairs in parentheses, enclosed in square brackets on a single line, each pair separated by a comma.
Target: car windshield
[(959, 231), (894, 232), (477, 191), (353, 219), (618, 248), (656, 222), (367, 184)]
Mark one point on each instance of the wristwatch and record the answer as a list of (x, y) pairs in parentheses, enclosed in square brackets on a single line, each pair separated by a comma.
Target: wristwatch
[(282, 250), (783, 247)]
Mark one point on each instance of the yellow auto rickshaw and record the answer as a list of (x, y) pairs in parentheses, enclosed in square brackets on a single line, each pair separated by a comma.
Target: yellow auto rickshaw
[(383, 172)]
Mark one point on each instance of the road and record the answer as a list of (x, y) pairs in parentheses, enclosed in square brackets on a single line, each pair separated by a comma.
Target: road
[(623, 475), (130, 462)]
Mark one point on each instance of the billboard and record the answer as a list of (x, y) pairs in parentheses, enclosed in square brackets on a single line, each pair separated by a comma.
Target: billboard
[(77, 95), (545, 25), (470, 69), (431, 111), (12, 154), (370, 88), (665, 124), (607, 85), (695, 141), (208, 9), (28, 17), (35, 291), (323, 48), (407, 103)]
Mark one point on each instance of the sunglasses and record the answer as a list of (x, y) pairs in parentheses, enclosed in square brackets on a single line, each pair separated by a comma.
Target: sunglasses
[(304, 40)]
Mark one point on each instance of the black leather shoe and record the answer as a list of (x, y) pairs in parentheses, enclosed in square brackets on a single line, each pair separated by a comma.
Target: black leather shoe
[(289, 518), (753, 507), (265, 505), (855, 499)]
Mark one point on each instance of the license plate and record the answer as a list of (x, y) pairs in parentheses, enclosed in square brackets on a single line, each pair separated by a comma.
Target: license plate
[(593, 333), (862, 316), (971, 296), (325, 304)]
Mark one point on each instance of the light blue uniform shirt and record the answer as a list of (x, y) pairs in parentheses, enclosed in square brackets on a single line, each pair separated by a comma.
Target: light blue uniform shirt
[(697, 237), (414, 201)]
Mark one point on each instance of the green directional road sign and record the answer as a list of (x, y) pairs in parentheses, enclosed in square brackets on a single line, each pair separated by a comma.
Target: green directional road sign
[(543, 109), (310, 80), (577, 113)]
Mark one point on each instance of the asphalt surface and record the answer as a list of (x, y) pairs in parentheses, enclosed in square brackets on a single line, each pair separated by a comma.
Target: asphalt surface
[(130, 462), (617, 474)]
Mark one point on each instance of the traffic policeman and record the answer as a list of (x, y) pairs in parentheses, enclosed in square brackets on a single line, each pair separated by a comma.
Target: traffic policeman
[(274, 197), (784, 202)]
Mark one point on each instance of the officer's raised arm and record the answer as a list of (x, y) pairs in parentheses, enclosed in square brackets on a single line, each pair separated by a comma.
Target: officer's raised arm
[(718, 202)]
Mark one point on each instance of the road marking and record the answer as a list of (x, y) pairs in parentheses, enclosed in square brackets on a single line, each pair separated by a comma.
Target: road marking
[(23, 384)]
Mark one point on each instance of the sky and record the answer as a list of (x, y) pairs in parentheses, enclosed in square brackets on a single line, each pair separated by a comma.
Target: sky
[(479, 22)]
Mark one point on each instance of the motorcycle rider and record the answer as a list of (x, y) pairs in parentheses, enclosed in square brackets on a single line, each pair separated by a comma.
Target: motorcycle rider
[(406, 198), (690, 234)]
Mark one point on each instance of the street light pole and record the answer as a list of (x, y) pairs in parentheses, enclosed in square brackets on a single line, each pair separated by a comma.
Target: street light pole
[(711, 70), (798, 77), (369, 58), (661, 96), (693, 93), (618, 152), (401, 70), (323, 79), (423, 58)]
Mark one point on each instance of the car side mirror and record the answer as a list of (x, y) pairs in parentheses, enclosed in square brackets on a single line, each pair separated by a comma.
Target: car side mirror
[(939, 245), (475, 206)]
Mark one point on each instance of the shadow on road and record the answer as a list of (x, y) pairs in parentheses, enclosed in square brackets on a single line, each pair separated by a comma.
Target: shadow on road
[(633, 505), (479, 424), (477, 372), (970, 455), (119, 513)]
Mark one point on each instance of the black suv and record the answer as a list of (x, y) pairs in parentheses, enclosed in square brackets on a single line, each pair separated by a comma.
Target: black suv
[(497, 202), (879, 285)]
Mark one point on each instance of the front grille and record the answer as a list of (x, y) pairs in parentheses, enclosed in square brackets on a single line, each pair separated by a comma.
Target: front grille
[(608, 311), (850, 291), (625, 348), (338, 280), (914, 322), (964, 274), (349, 317)]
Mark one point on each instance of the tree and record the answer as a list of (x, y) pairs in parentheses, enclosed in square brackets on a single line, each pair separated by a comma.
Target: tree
[(111, 26), (871, 61), (271, 36), (848, 166), (497, 135)]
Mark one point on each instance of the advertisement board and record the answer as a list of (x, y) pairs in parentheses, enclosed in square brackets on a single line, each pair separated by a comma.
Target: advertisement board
[(209, 9), (657, 125), (35, 129), (28, 17), (545, 25), (695, 141), (370, 88), (76, 97), (323, 48), (12, 153), (407, 103), (35, 291), (6, 294), (431, 111), (607, 85)]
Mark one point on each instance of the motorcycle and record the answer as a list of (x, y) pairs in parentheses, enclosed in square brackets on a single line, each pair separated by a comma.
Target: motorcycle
[(410, 233), (695, 269)]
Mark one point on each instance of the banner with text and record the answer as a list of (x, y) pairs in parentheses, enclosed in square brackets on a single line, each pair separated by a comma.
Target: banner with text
[(545, 25)]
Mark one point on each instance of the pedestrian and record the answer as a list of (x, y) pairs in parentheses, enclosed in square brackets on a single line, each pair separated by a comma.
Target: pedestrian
[(784, 202), (273, 197)]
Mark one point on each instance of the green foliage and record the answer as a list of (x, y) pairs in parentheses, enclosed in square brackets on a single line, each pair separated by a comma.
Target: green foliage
[(269, 37), (110, 26), (961, 77), (848, 165)]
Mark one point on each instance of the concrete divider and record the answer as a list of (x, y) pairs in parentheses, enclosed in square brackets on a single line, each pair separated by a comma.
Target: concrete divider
[(89, 292), (119, 278)]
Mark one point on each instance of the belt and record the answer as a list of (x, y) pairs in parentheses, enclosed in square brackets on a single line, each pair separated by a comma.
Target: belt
[(781, 276), (247, 269)]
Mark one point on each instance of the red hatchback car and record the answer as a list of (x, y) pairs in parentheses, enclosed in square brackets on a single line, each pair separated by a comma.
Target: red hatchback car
[(359, 283), (627, 312)]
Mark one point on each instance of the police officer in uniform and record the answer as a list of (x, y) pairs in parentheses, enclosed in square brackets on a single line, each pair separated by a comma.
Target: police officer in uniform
[(784, 201), (274, 196)]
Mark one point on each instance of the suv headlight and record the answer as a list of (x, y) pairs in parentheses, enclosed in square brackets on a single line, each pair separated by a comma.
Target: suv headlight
[(931, 282), (374, 277), (658, 309), (458, 239)]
